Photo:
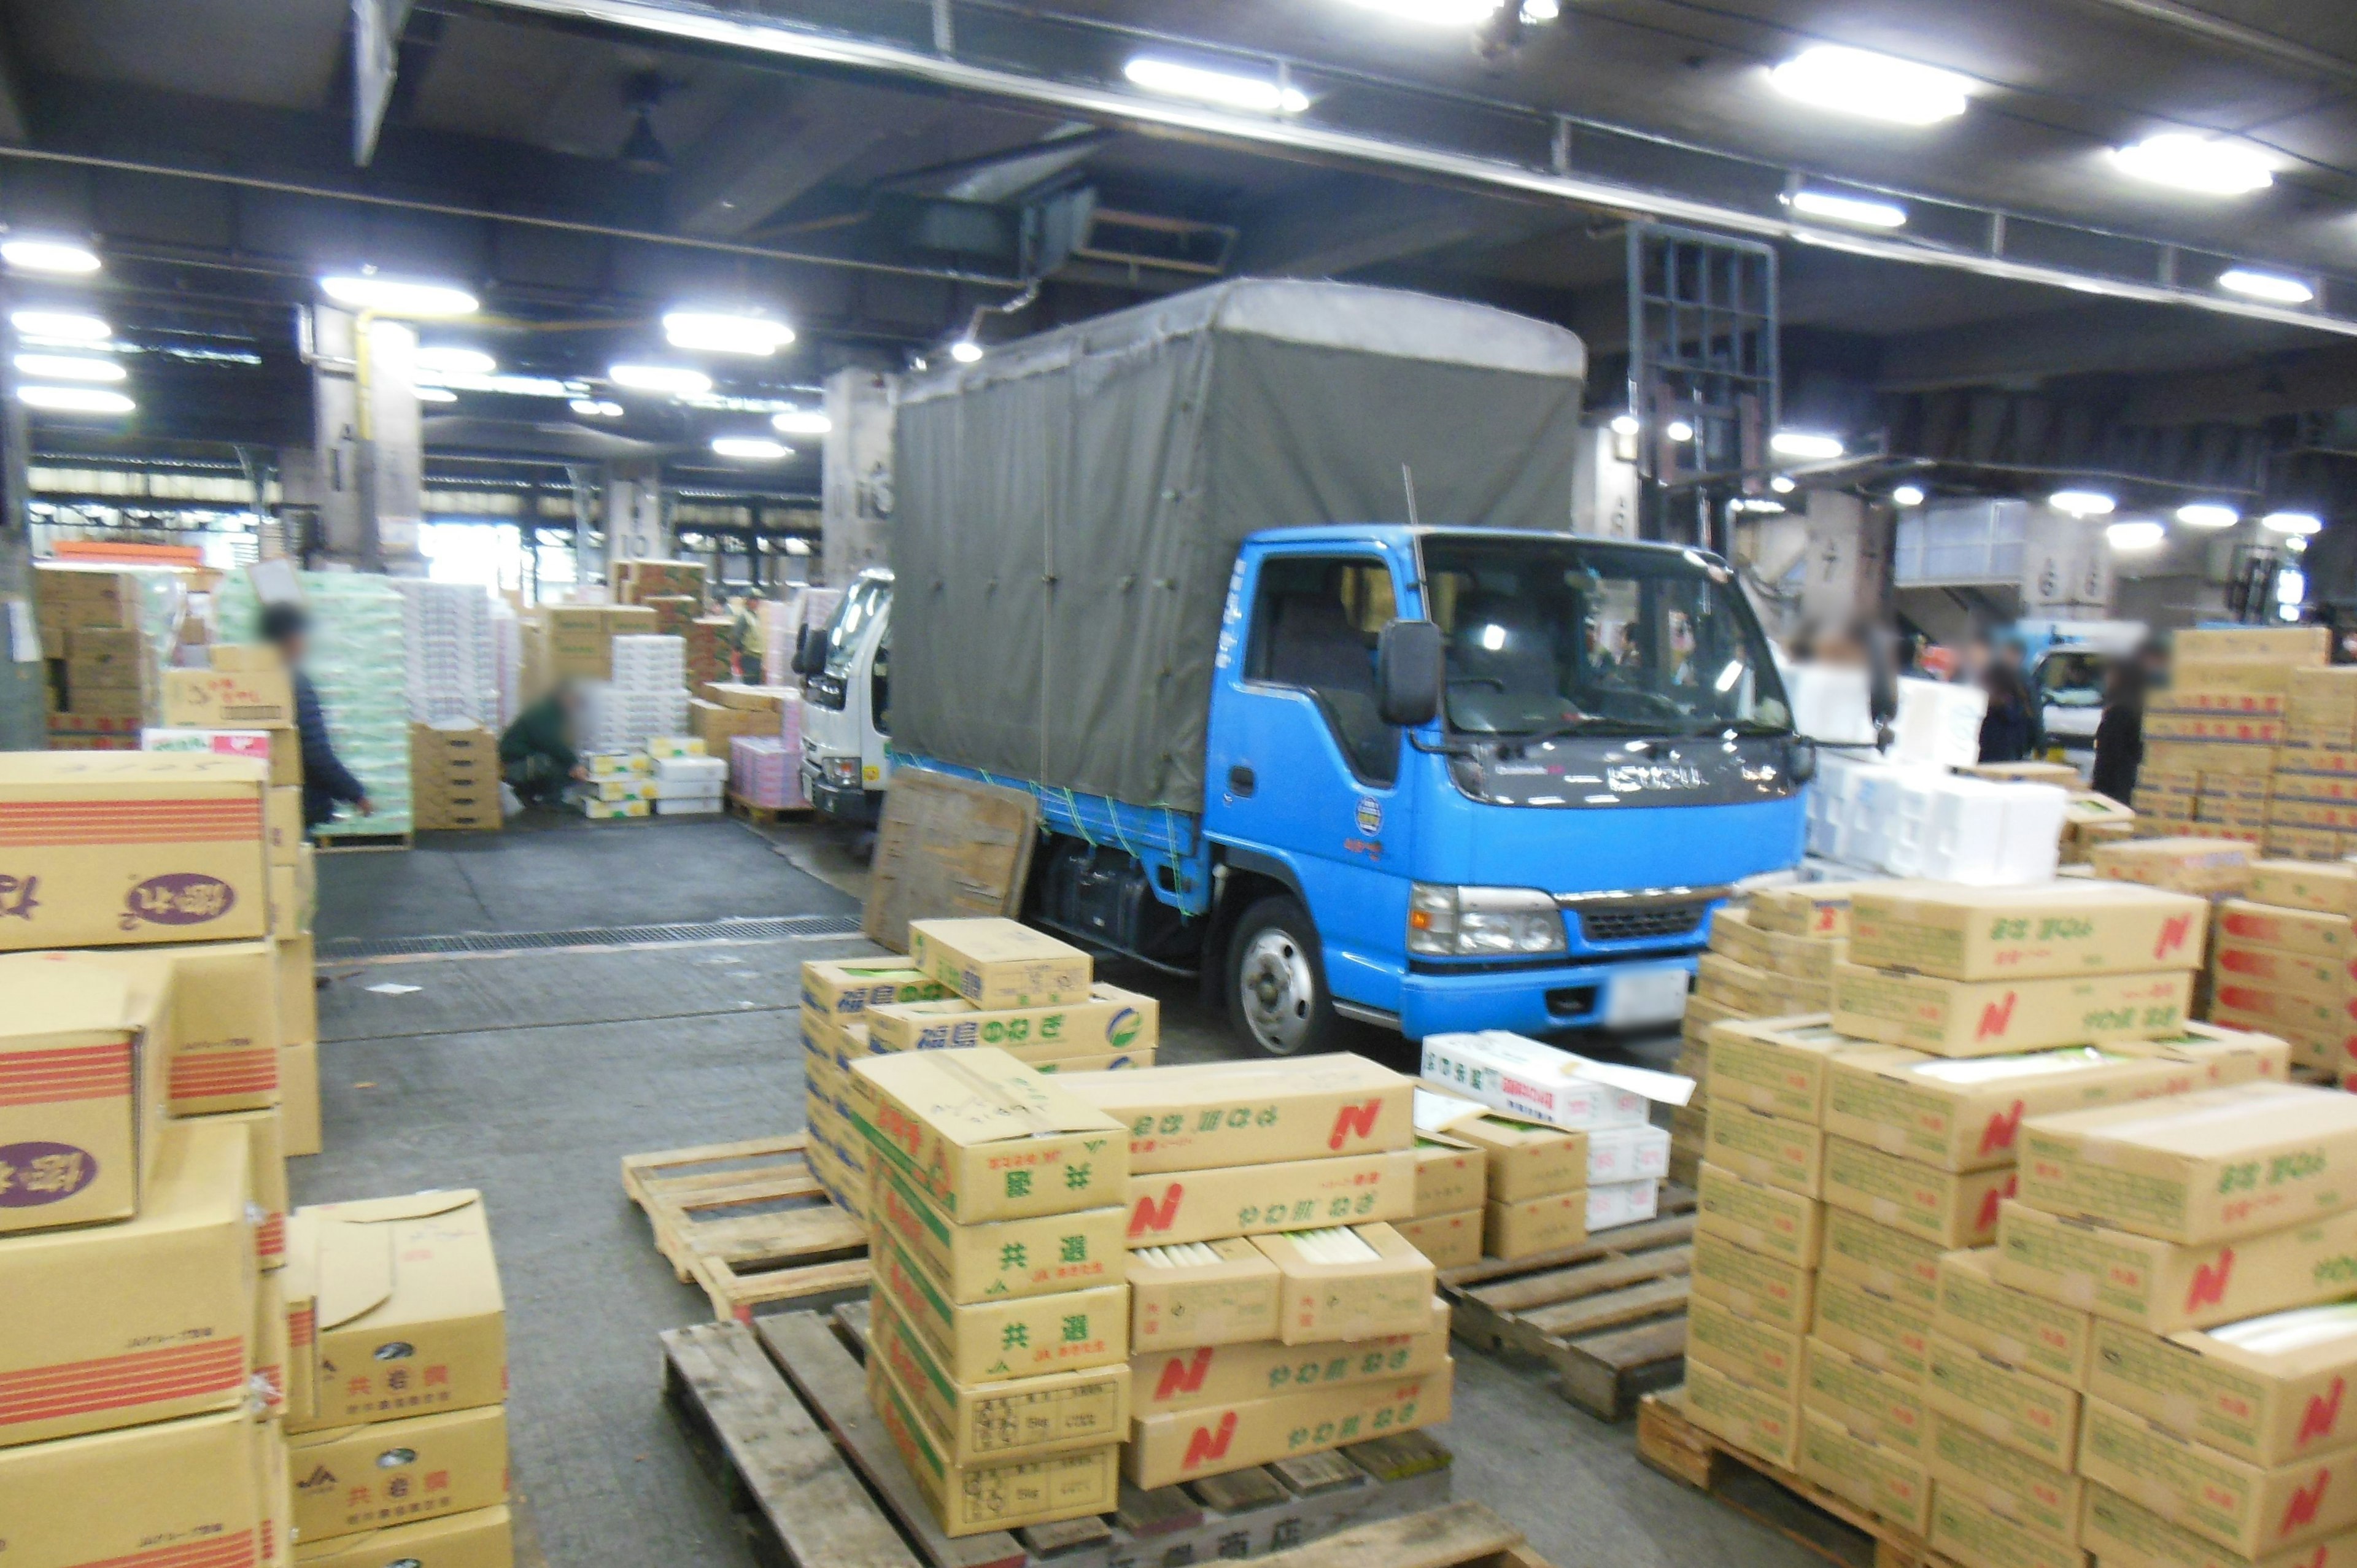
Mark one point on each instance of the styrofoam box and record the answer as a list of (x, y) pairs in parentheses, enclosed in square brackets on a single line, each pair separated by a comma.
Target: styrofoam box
[(1627, 1154), (1622, 1203)]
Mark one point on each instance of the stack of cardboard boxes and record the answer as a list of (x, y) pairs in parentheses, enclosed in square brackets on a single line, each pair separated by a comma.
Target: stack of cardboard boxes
[(722, 710), (575, 642), (454, 771), (1548, 1187), (837, 997), (616, 787), (105, 667), (636, 582), (710, 649), (1452, 1197), (2284, 962)]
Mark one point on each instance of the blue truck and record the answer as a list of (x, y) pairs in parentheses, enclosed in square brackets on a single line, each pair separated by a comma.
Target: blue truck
[(1166, 571)]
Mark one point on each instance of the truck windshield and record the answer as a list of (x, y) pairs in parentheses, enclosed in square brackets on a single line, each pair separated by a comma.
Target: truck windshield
[(1567, 637), (866, 600)]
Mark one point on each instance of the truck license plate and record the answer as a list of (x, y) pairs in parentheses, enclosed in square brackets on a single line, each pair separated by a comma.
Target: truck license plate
[(1645, 996)]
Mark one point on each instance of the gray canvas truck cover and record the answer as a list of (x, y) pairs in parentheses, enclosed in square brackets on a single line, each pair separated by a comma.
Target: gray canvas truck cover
[(1070, 508)]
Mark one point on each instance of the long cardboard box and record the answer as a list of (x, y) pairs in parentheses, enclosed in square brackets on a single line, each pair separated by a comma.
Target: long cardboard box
[(1754, 1284), (1817, 910), (988, 1138), (1754, 1419), (83, 1050), (1748, 1351), (995, 963), (1212, 1114), (1225, 1293), (2030, 1491), (1007, 1259), (1534, 1225), (1364, 1298), (2072, 927), (1251, 1200), (2269, 1390), (1226, 1374), (1451, 1174), (1780, 1223), (1948, 1209), (840, 987), (1781, 1066), (1869, 1399), (2123, 1535), (1965, 1113), (1977, 1308), (2242, 1507), (989, 1341), (2330, 887), (2199, 1167), (972, 1500), (228, 699), (1974, 1535), (352, 1479), (2319, 933), (112, 1496), (482, 1538), (1790, 1155), (1895, 1263), (1184, 1445), (983, 1423), (1879, 1330), (221, 1034), (1109, 1022), (2163, 1286), (1451, 1241), (1525, 1159), (1998, 1017), (1524, 1078), (2007, 1403), (1886, 1481)]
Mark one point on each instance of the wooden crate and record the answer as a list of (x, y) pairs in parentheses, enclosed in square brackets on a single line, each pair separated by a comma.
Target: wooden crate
[(747, 1221), (1609, 1316), (1798, 1510)]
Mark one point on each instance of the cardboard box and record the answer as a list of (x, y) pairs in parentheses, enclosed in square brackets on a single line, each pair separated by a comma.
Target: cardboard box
[(1182, 1298), (148, 1320), (1226, 1374), (1451, 1241), (282, 821), (298, 996), (980, 1423), (1865, 1399), (1184, 1445), (1973, 1535), (1525, 1159), (1883, 1331), (2003, 1400), (987, 1138), (118, 848), (1006, 1260), (1074, 1067), (1733, 935), (1753, 1284), (2123, 1535), (1535, 1225), (1985, 1471), (2000, 1018), (2242, 1507), (2302, 974), (1110, 1021), (1754, 1215), (2328, 888), (1899, 1263), (2225, 1056), (837, 988), (2163, 1286), (298, 1098), (1744, 1348), (1450, 1175), (1885, 1481), (1790, 1155), (111, 1498), (1538, 1082), (84, 1049), (1977, 1309), (1252, 1200), (229, 699), (479, 1540), (1777, 1065), (1949, 1209), (398, 1301), (2331, 935), (356, 1478), (1754, 1419), (2066, 927), (994, 963), (2198, 1168), (2292, 645), (972, 1500), (1212, 1115), (1326, 1299), (1965, 1113), (220, 1036), (1816, 909), (2196, 865), (266, 1151), (985, 1342), (2269, 1390)]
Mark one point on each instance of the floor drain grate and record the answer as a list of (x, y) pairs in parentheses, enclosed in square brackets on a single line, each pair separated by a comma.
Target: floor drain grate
[(765, 928)]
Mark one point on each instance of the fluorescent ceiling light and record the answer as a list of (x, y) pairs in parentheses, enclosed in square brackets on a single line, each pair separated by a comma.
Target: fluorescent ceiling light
[(1258, 93), (1679, 431), (61, 326), (47, 256), (717, 332), (2208, 514), (672, 379), (802, 422), (1438, 12), (2296, 523), (2272, 287), (1626, 424), (966, 351), (2135, 535), (75, 400), (1872, 86), (69, 368), (2295, 545), (434, 395), (397, 296), (1908, 495), (1864, 211), (2197, 164), (596, 408), (1784, 484), (753, 448), (1809, 448), (450, 360), (2084, 503)]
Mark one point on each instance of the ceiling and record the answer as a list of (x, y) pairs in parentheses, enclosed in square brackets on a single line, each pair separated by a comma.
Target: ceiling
[(212, 161)]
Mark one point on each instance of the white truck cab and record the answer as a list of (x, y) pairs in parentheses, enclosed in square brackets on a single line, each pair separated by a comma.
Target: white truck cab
[(848, 704)]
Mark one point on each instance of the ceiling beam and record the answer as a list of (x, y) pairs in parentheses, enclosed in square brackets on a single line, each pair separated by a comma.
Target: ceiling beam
[(1355, 223), (2240, 36), (777, 143), (2096, 338)]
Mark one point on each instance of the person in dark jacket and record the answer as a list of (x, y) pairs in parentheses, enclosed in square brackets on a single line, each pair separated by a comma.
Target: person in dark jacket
[(2119, 733), (326, 782), (536, 755), (2009, 732)]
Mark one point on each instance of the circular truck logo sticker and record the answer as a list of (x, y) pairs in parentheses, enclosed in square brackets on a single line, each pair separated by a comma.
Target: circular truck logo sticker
[(1370, 816), (181, 898), (32, 1174)]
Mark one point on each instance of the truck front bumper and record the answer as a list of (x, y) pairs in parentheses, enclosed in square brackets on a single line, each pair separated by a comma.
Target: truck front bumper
[(845, 803), (1525, 1001)]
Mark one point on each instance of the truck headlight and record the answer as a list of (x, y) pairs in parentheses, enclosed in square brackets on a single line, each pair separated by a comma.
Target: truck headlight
[(843, 771), (1461, 922)]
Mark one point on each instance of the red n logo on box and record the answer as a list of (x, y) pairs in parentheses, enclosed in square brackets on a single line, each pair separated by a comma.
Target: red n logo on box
[(2173, 933), (1183, 1376), (2301, 1510), (1208, 1444), (2209, 1287), (1354, 1121), (1150, 1216), (1997, 1017), (2323, 1414), (2001, 1128)]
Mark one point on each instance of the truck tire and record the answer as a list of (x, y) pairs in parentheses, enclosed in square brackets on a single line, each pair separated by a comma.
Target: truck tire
[(1277, 981)]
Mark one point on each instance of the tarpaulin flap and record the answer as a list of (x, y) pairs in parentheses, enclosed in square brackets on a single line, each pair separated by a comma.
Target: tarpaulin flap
[(1069, 510)]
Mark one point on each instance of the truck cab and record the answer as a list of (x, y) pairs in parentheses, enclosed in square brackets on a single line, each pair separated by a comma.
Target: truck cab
[(847, 705), (1462, 779)]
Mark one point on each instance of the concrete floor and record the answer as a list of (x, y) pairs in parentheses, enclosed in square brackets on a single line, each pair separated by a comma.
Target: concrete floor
[(530, 1076)]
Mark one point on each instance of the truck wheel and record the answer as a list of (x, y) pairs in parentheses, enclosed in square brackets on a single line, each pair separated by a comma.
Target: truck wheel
[(1277, 981)]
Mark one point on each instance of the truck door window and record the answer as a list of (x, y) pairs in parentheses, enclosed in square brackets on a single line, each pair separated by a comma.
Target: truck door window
[(879, 688), (1315, 622)]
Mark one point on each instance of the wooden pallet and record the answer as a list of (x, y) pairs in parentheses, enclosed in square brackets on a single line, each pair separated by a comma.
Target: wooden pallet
[(747, 1221), (767, 816), (1798, 1510), (357, 844), (1609, 1317)]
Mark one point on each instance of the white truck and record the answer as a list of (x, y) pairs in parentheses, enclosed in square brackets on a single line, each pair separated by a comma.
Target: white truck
[(846, 672)]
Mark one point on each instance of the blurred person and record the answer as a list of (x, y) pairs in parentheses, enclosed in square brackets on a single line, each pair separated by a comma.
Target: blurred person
[(326, 782), (2009, 733), (536, 752), (2119, 733)]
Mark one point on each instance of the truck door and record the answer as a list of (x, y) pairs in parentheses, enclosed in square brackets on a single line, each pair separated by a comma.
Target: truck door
[(1302, 767)]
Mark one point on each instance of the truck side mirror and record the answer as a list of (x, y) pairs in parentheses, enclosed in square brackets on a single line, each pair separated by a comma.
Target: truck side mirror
[(1411, 672), (804, 642)]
